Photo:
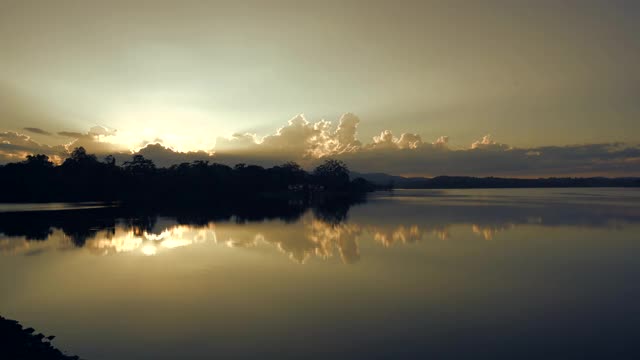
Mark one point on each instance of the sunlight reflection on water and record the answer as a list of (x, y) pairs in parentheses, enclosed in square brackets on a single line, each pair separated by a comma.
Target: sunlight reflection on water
[(426, 274)]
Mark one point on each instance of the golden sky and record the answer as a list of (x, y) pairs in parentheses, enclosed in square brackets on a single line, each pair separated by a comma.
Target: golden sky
[(191, 74)]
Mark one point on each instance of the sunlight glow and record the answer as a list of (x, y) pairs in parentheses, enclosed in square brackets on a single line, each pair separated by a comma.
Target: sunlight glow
[(149, 250), (161, 123)]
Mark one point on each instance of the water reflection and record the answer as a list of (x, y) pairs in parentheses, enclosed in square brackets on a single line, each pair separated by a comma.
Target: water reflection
[(326, 231), (435, 274)]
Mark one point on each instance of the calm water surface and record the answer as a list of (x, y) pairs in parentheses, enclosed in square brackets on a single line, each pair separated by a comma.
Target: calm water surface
[(535, 273)]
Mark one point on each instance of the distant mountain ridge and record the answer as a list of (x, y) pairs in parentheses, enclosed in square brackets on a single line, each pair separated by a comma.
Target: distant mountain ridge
[(467, 182)]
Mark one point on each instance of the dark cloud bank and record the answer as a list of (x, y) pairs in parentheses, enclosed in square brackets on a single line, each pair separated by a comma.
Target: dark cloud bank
[(37, 131), (309, 143)]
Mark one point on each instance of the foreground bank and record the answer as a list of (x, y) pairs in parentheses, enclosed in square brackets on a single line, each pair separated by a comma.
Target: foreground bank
[(17, 342)]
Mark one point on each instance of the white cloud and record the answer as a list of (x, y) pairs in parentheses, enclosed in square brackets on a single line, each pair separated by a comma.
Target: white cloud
[(409, 141), (487, 143), (442, 141), (94, 143), (308, 143), (386, 140), (299, 138)]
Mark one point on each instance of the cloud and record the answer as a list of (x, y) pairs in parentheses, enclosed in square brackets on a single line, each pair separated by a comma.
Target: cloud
[(70, 134), (441, 141), (165, 156), (237, 142), (309, 143), (492, 159), (93, 143), (386, 140), (15, 147), (37, 131), (487, 143), (409, 141), (299, 137), (101, 131), (346, 133)]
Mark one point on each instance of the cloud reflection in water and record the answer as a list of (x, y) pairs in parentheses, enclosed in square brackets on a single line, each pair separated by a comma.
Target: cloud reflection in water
[(387, 222)]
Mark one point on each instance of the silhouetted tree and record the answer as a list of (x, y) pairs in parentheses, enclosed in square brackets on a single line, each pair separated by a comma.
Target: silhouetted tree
[(110, 160), (332, 175), (81, 177), (79, 157), (362, 185), (38, 161), (139, 165)]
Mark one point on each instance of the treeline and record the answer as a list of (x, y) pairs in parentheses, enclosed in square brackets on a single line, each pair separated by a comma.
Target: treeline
[(467, 182), (83, 177), (382, 180)]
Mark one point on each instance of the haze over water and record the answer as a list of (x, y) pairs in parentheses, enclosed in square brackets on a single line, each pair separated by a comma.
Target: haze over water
[(538, 273)]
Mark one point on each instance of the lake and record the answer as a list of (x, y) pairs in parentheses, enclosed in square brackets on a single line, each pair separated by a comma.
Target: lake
[(501, 273)]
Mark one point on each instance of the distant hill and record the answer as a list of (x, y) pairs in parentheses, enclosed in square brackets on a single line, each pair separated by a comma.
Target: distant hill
[(468, 182)]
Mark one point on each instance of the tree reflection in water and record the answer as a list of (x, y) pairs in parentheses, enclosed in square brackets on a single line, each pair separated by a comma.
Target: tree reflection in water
[(298, 229)]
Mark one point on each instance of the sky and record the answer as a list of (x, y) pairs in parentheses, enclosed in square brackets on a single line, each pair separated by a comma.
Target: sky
[(517, 88)]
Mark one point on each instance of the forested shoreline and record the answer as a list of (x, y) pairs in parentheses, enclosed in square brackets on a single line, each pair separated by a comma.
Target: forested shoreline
[(83, 177)]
